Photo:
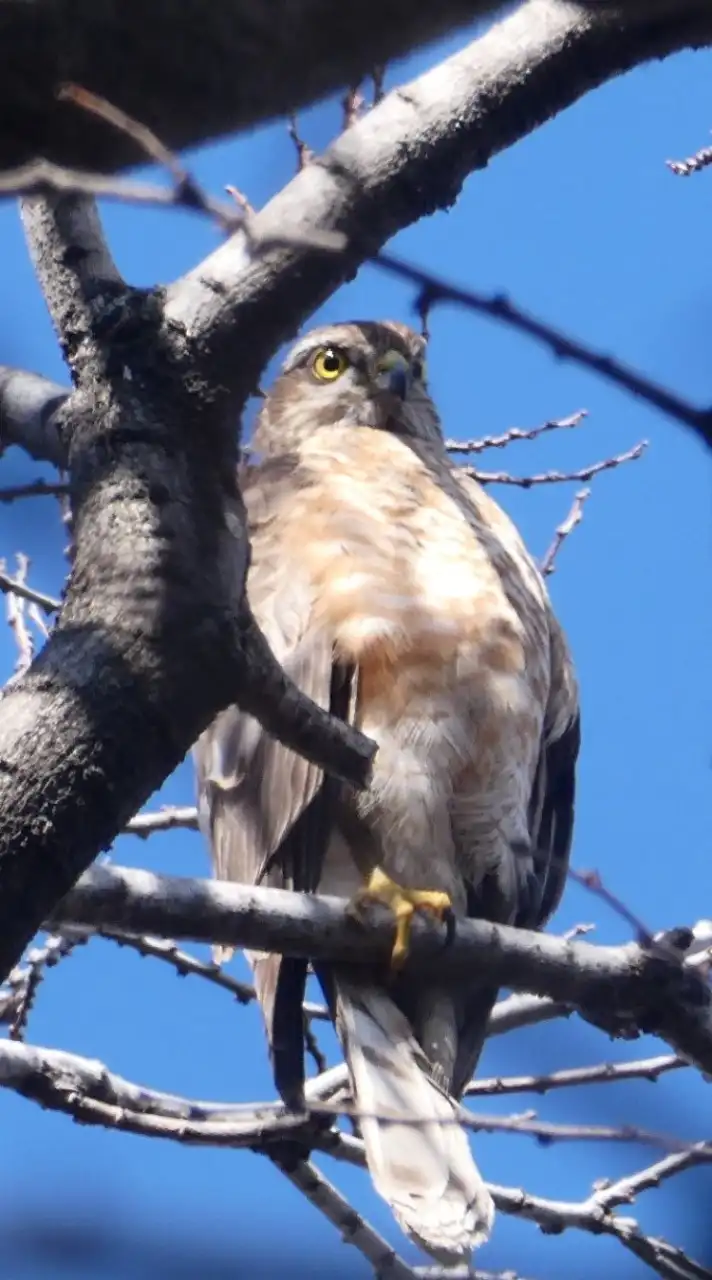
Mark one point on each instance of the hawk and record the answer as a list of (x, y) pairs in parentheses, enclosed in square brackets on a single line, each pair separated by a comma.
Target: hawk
[(397, 593)]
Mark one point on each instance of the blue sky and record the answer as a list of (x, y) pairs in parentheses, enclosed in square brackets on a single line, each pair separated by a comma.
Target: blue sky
[(582, 224)]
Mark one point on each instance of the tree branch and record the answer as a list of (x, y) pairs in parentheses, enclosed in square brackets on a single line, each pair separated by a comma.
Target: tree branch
[(624, 987), (33, 415), (154, 636), (572, 1077), (91, 1094), (434, 291), (189, 73), (405, 159)]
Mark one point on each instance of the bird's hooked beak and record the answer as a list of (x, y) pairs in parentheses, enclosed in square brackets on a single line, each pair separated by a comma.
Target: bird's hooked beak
[(394, 375)]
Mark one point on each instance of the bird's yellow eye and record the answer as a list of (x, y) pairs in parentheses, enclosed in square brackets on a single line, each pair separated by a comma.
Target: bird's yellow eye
[(329, 363)]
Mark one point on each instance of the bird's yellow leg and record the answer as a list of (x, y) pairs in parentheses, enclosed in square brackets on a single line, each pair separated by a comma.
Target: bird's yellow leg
[(403, 903)]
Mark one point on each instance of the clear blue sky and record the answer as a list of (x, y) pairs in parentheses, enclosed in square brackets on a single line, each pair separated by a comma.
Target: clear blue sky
[(582, 224)]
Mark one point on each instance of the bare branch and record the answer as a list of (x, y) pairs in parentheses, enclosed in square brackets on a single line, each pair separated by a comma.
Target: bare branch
[(434, 292), (34, 489), (558, 477), (167, 819), (33, 415), (18, 587), (517, 1011), (16, 601), (572, 1077), (407, 157), (700, 160), (555, 1216), (627, 987), (304, 154), (563, 531), (86, 1090), (525, 1124), (353, 1229), (515, 433), (40, 178), (592, 881)]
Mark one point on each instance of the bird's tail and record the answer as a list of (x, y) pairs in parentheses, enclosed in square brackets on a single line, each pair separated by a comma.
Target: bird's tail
[(424, 1170)]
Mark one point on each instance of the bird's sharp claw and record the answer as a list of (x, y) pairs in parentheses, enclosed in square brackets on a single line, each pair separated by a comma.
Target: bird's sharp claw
[(403, 903)]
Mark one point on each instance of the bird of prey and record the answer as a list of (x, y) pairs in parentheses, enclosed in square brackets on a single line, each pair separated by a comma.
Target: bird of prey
[(397, 593)]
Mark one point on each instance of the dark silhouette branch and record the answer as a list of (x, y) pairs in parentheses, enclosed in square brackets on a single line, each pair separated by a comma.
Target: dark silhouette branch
[(432, 291), (189, 72)]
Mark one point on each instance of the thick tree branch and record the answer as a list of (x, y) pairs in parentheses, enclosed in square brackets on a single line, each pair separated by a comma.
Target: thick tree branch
[(624, 987), (188, 71), (33, 415), (154, 636), (407, 158)]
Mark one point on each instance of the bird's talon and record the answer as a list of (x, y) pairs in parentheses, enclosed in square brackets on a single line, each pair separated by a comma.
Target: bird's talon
[(404, 903)]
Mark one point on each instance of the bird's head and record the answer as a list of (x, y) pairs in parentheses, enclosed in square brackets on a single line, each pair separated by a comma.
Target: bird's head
[(362, 374)]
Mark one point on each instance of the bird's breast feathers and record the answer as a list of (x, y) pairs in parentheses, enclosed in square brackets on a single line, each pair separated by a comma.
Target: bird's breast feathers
[(425, 592)]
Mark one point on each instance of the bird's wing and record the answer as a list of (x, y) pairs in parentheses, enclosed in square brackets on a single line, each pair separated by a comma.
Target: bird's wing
[(551, 809), (264, 810), (551, 817)]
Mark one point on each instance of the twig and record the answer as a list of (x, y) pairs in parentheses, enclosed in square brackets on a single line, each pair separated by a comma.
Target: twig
[(592, 881), (305, 155), (16, 601), (41, 178), (352, 105), (18, 994), (38, 620), (700, 160), (528, 1124), (516, 433), (624, 1190), (558, 477), (519, 1010), (433, 291), (378, 76), (352, 1227), (187, 192), (170, 818), (603, 1073), (36, 489), (240, 200), (563, 530), (578, 931), (186, 964), (313, 1047), (14, 586), (182, 961)]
